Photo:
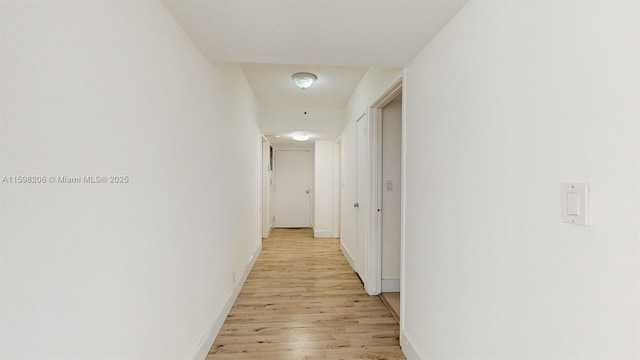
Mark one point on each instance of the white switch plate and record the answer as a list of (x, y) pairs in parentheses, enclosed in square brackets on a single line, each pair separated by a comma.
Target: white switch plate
[(574, 200)]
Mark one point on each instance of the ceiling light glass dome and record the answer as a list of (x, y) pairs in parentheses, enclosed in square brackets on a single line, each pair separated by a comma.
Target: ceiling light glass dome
[(304, 80), (300, 137)]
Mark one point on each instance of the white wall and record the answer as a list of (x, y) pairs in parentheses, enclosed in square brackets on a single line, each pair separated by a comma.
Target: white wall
[(323, 189), (510, 100), (135, 270), (337, 185), (373, 84), (391, 158)]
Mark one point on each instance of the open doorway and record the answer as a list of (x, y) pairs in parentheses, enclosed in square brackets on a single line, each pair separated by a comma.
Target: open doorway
[(384, 196), (379, 195), (390, 203)]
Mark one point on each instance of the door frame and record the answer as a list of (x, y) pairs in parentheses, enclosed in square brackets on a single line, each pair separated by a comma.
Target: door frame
[(373, 243), (310, 188)]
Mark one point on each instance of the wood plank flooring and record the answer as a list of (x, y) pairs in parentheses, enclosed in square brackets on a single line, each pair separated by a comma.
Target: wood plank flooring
[(302, 300), (392, 301)]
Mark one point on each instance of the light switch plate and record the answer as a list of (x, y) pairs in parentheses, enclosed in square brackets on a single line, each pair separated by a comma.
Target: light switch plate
[(574, 200)]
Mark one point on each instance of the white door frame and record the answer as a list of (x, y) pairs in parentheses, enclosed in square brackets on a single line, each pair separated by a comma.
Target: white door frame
[(373, 245), (277, 186)]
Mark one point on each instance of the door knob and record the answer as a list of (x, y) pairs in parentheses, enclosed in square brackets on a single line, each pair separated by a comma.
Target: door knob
[(307, 191), (355, 204)]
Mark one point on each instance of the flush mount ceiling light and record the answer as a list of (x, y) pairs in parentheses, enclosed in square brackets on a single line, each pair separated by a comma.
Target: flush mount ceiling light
[(300, 137), (304, 80)]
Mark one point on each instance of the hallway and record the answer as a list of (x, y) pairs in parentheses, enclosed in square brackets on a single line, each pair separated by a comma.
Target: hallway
[(139, 145), (303, 301)]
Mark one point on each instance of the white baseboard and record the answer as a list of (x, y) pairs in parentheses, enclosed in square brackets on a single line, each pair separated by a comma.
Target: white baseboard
[(390, 285), (407, 348), (207, 340), (348, 256), (322, 233)]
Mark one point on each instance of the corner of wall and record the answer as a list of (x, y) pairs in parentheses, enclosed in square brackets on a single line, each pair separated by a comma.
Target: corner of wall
[(210, 336), (407, 348)]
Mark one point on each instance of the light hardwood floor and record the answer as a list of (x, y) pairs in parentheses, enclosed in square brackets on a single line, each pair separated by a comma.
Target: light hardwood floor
[(302, 300), (392, 301)]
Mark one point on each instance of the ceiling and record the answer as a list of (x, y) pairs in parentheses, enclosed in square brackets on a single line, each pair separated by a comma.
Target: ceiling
[(338, 40), (287, 109), (362, 33), (273, 85)]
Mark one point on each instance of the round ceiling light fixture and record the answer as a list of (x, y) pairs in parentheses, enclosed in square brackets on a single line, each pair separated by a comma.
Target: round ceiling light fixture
[(304, 80), (300, 137)]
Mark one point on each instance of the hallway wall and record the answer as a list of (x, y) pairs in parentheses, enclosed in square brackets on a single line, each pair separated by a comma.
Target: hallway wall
[(323, 189), (510, 100), (140, 269)]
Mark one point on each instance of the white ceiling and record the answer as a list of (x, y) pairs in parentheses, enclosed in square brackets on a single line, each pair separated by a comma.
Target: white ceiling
[(273, 85), (338, 40), (369, 33)]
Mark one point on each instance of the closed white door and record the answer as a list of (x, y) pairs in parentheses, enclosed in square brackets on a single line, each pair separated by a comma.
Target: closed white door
[(361, 195), (292, 188), (267, 189)]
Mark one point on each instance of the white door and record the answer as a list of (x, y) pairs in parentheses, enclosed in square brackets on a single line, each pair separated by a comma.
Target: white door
[(361, 196), (292, 188), (267, 189)]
